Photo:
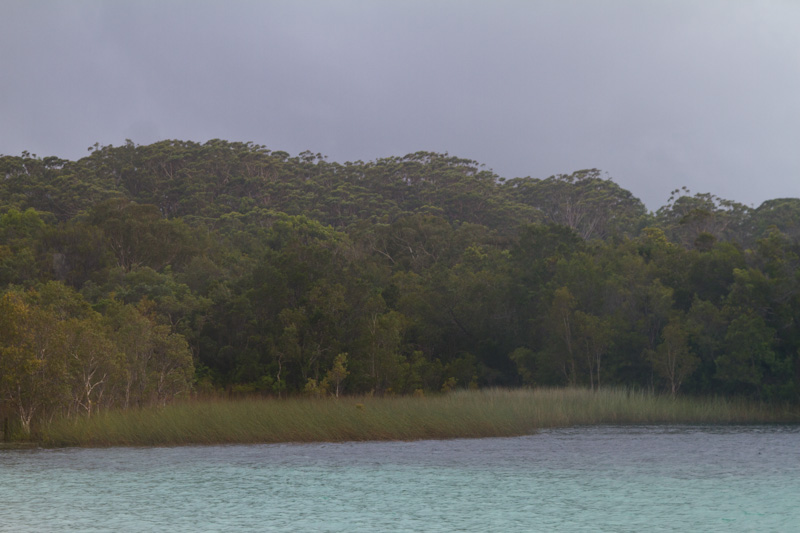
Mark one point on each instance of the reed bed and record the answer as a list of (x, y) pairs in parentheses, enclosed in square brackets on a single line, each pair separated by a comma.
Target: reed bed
[(461, 414)]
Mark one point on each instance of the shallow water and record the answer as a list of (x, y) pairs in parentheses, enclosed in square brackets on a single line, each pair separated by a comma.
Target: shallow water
[(582, 479)]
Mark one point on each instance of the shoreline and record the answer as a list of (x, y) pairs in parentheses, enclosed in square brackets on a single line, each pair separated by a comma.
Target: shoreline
[(37, 445), (459, 414), (20, 445)]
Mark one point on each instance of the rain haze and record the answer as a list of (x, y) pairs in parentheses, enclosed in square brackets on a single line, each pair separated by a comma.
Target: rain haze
[(656, 94)]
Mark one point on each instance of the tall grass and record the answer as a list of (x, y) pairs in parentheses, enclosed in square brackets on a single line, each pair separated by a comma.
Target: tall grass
[(484, 413)]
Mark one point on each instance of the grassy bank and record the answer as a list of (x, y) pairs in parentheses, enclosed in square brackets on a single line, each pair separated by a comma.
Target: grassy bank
[(485, 413)]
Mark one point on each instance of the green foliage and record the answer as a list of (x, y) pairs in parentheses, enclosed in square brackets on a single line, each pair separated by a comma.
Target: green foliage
[(700, 220), (748, 353), (591, 206), (59, 356), (140, 273), (783, 214), (672, 359), (337, 374)]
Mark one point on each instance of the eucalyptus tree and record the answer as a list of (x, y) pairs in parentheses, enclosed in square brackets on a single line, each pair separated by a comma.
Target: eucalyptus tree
[(673, 359), (701, 219), (781, 213), (32, 372), (593, 206)]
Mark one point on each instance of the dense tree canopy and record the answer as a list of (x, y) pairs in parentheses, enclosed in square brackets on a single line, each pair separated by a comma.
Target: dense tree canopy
[(140, 273)]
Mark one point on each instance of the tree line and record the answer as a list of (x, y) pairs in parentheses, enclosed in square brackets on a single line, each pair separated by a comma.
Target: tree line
[(139, 273)]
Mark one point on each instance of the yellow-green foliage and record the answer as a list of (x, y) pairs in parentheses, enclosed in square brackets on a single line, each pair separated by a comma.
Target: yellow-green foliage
[(483, 413)]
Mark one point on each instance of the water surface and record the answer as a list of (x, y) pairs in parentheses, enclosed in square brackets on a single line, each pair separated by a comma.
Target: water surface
[(581, 479)]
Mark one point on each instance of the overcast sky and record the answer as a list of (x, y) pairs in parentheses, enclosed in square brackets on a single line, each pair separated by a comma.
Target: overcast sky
[(658, 94)]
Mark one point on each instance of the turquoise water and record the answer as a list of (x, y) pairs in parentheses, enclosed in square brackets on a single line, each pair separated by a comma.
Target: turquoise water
[(584, 479)]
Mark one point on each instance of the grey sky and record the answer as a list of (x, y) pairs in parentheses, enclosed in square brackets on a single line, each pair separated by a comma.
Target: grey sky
[(658, 94)]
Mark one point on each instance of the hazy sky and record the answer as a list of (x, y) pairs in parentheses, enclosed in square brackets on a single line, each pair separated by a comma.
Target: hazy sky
[(658, 93)]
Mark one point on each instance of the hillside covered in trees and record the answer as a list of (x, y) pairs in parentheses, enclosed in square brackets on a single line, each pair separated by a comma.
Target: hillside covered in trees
[(139, 273)]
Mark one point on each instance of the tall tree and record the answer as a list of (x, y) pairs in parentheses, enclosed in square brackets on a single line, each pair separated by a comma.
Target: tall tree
[(672, 358), (584, 201)]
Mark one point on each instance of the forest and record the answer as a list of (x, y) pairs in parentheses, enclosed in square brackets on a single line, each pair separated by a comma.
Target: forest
[(143, 273)]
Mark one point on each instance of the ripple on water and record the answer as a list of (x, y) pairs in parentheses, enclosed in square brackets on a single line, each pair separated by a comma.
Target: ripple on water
[(579, 479)]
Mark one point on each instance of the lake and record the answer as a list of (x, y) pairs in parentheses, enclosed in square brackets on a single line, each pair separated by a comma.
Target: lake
[(579, 479)]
